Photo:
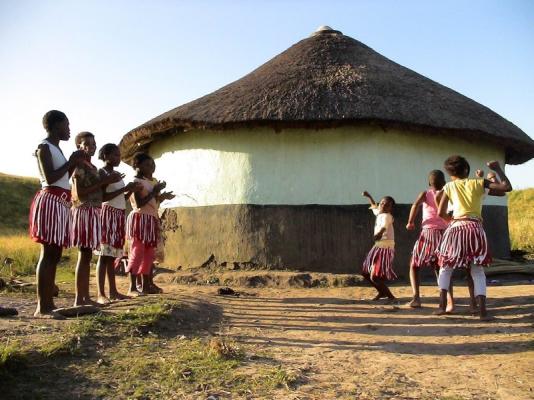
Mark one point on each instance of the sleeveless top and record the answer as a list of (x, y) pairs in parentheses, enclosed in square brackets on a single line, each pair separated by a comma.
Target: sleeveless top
[(58, 160), (118, 201), (431, 218)]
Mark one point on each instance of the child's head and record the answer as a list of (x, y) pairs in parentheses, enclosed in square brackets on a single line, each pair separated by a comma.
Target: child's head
[(110, 154), (86, 141), (144, 164), (55, 122), (457, 166), (436, 179), (386, 204)]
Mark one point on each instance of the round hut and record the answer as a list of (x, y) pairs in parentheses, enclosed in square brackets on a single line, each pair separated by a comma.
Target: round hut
[(269, 169)]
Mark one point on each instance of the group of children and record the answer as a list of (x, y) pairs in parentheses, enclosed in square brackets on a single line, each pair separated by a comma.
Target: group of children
[(452, 236), (92, 217), (93, 220)]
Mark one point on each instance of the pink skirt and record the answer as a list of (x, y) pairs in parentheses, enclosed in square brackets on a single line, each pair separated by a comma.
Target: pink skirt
[(50, 217), (143, 227), (113, 226), (464, 243), (379, 263), (424, 252), (85, 228)]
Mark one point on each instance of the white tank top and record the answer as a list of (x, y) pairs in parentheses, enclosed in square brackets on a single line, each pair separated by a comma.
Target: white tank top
[(58, 160), (118, 201)]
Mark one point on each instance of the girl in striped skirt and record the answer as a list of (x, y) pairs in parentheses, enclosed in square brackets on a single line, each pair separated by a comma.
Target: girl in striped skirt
[(142, 227), (378, 265), (49, 211), (424, 252), (85, 232), (113, 222), (464, 243)]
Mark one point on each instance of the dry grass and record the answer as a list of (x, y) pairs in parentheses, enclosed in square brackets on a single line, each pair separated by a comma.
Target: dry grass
[(521, 219)]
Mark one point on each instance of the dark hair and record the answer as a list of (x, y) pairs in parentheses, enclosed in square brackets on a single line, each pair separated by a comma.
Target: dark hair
[(457, 166), (391, 200), (138, 158), (436, 177), (81, 136), (51, 118), (107, 149)]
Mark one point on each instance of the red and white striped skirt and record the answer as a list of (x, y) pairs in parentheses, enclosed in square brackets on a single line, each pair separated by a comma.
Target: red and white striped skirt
[(379, 263), (464, 243), (50, 217), (113, 226), (424, 252), (85, 228), (143, 227)]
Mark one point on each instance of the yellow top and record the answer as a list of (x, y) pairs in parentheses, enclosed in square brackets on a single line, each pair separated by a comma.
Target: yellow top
[(466, 197)]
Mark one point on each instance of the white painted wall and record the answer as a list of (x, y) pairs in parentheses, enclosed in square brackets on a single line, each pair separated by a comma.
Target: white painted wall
[(330, 166)]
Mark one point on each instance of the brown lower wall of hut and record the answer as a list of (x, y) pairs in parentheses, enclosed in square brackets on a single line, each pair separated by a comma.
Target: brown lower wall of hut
[(320, 238)]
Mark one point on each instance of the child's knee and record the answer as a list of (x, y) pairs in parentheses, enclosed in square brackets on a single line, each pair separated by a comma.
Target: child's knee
[(444, 278)]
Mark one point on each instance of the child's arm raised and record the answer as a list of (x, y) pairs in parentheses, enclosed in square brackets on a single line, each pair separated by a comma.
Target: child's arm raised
[(496, 188), (46, 165), (414, 210), (370, 198), (442, 209)]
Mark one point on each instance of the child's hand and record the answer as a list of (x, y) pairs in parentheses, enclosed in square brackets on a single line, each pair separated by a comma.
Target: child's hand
[(159, 186), (410, 226), (77, 157), (167, 196), (494, 165), (377, 237), (112, 178), (133, 187), (366, 194), (479, 173)]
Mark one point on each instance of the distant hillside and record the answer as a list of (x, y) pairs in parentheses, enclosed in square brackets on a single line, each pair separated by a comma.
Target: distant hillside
[(16, 194)]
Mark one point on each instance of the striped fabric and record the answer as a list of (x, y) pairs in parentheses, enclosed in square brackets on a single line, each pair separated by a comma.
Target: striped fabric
[(85, 228), (464, 243), (50, 217), (143, 227), (379, 263), (113, 226), (424, 252)]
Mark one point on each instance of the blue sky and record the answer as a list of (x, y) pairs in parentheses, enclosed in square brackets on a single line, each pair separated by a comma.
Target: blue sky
[(112, 65)]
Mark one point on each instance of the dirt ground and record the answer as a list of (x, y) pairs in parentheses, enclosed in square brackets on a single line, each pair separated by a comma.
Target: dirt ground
[(344, 346)]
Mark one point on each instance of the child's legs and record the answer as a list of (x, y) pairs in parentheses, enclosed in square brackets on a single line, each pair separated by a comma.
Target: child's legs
[(110, 270), (382, 287), (367, 277), (45, 277), (146, 266), (415, 281), (444, 283), (101, 267), (82, 276), (136, 256), (479, 280)]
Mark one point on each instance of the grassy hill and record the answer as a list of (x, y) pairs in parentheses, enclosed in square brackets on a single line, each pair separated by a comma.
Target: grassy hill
[(16, 194), (521, 219)]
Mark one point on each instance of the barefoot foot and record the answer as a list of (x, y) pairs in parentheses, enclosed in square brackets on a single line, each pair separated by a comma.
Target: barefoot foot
[(415, 303), (103, 300)]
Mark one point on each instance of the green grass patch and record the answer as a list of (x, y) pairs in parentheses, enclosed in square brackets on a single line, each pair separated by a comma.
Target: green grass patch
[(16, 194)]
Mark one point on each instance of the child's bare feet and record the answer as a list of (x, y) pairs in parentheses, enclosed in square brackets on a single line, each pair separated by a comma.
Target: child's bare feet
[(439, 311), (450, 309), (154, 289), (415, 303), (118, 296), (103, 300), (48, 315), (135, 293)]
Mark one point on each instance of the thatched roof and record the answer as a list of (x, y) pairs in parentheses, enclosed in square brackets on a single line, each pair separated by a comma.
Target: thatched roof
[(329, 80)]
